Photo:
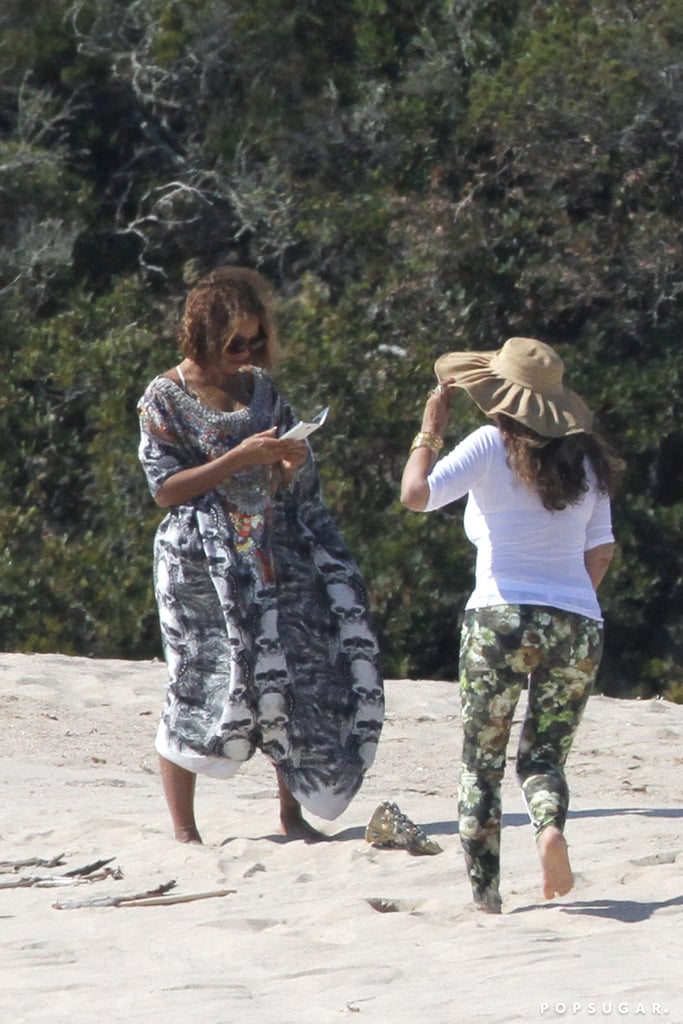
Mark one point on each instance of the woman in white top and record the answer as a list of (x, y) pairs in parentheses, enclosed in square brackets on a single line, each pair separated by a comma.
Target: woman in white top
[(538, 482)]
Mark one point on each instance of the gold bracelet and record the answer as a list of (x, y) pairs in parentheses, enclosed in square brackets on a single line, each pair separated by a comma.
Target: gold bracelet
[(427, 439)]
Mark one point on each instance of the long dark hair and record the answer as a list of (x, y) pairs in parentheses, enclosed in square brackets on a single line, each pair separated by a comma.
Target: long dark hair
[(555, 467)]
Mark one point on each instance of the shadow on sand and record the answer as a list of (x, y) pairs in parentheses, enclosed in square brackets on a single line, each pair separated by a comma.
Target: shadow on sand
[(450, 828), (627, 911)]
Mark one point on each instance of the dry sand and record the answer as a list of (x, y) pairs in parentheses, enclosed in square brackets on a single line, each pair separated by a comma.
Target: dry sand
[(297, 941)]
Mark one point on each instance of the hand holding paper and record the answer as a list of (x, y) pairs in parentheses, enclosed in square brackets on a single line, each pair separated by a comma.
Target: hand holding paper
[(303, 429)]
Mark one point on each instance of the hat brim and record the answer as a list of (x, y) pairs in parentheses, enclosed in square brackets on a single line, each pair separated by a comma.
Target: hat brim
[(555, 415)]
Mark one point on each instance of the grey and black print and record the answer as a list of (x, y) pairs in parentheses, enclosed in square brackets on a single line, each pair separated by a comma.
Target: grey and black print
[(264, 614), (503, 648)]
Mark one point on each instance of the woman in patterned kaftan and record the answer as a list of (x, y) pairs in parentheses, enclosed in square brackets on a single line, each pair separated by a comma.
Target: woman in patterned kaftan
[(263, 612)]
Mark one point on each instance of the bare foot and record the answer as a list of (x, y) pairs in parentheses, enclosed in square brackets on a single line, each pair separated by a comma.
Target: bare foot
[(188, 835), (558, 878), (485, 907), (292, 823), (294, 826)]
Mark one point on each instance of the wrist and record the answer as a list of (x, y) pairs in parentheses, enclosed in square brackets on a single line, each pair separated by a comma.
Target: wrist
[(427, 439), (234, 459)]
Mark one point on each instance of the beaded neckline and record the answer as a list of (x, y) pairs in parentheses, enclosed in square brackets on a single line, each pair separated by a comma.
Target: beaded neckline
[(209, 411)]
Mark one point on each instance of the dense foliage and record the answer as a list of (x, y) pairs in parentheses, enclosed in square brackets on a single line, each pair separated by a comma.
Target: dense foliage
[(412, 177)]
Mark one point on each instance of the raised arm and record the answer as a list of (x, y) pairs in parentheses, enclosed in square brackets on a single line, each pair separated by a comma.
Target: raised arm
[(425, 449)]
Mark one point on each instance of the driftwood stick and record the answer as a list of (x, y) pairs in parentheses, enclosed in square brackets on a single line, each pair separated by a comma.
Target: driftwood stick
[(162, 901), (99, 876), (53, 881), (153, 898), (89, 868), (19, 883), (39, 881), (113, 901), (7, 866), (56, 882)]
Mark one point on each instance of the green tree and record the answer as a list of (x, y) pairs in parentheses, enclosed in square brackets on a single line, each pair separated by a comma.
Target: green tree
[(412, 179)]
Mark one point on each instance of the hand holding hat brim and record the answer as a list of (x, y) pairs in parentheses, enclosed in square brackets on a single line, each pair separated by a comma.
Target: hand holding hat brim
[(522, 380)]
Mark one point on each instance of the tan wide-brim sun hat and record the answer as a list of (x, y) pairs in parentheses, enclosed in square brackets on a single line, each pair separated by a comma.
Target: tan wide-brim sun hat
[(523, 380)]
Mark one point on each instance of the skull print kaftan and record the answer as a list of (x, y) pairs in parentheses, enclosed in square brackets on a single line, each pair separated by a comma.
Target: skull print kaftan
[(263, 612)]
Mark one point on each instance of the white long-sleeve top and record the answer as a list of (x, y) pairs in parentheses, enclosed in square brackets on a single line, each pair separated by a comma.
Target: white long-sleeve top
[(525, 554)]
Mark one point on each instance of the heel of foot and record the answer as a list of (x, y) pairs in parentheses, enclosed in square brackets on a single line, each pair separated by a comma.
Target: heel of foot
[(558, 878), (489, 906)]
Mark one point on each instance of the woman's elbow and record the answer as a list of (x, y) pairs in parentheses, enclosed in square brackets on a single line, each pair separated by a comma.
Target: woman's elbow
[(597, 562), (601, 555), (162, 498), (414, 498)]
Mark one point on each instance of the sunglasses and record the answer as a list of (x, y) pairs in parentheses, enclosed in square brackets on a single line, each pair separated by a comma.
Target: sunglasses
[(238, 343)]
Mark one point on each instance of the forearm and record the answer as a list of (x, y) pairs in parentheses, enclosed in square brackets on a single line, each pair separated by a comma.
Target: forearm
[(262, 449), (420, 462), (197, 480), (414, 485), (597, 562)]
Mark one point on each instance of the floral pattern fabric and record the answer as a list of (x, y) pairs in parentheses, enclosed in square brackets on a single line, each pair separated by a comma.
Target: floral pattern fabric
[(263, 613), (502, 648)]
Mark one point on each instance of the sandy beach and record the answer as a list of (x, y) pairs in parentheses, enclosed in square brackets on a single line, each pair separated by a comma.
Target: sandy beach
[(290, 933)]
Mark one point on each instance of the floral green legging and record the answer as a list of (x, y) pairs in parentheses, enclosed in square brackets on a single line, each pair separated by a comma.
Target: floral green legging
[(501, 648)]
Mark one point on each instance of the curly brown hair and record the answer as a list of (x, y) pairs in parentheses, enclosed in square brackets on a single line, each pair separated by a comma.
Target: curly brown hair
[(220, 298), (556, 467)]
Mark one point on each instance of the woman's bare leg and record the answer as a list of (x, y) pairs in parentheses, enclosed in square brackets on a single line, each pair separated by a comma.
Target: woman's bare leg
[(292, 822), (179, 788), (558, 878)]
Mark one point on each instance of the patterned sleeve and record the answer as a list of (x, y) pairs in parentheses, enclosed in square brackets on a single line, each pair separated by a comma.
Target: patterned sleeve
[(283, 413), (161, 451)]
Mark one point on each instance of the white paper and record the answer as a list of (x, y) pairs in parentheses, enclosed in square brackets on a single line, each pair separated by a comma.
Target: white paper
[(302, 430)]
